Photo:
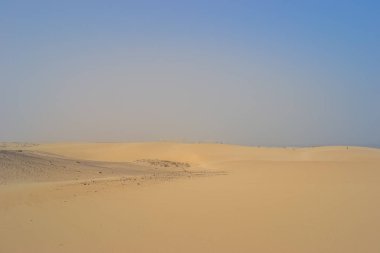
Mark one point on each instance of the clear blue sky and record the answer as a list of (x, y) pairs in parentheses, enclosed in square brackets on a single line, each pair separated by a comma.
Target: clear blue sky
[(245, 72)]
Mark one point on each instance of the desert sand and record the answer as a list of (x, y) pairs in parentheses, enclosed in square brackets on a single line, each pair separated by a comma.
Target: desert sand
[(177, 197)]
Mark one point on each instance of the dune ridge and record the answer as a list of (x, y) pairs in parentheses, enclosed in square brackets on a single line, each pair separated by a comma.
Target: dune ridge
[(205, 152)]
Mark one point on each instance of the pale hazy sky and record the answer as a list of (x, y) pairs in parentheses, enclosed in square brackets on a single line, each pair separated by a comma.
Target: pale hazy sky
[(244, 72)]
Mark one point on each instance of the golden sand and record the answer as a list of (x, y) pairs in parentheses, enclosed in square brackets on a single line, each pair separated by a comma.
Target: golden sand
[(231, 199)]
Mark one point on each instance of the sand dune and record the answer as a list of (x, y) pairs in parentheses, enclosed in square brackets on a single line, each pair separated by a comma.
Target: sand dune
[(175, 197), (204, 153)]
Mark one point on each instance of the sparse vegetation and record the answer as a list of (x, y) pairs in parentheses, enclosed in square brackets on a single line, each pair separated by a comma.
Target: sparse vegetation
[(163, 163)]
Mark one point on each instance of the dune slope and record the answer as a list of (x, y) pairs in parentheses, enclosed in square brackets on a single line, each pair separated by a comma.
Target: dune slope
[(323, 199)]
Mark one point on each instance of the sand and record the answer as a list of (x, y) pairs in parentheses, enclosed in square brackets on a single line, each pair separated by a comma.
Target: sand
[(173, 197)]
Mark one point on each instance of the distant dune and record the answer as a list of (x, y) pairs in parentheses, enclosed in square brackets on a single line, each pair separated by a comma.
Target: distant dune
[(177, 197), (204, 153)]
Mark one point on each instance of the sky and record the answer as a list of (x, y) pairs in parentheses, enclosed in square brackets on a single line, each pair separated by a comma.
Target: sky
[(268, 73)]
